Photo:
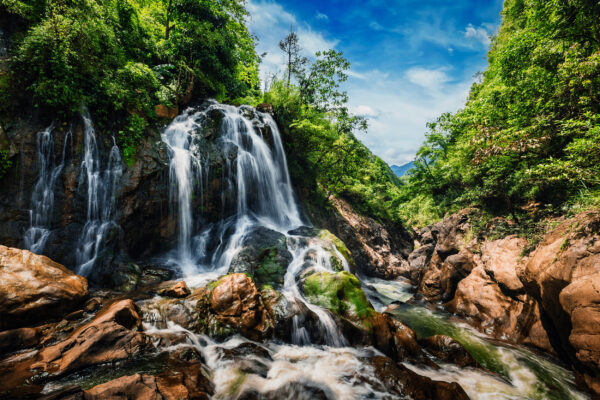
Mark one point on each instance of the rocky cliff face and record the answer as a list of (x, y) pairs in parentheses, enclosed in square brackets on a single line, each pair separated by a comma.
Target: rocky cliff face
[(548, 299), (144, 223)]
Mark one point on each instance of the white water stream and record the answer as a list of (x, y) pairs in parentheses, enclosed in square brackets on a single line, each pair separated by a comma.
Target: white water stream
[(42, 198), (101, 185)]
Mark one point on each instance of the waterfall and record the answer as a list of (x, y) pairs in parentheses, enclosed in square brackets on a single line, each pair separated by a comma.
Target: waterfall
[(42, 198), (259, 176), (101, 188)]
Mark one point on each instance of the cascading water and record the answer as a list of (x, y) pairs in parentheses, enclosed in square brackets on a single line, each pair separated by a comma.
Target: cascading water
[(260, 180), (101, 187), (42, 199), (262, 186)]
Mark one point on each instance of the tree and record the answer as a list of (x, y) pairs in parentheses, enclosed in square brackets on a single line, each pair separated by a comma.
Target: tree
[(295, 61)]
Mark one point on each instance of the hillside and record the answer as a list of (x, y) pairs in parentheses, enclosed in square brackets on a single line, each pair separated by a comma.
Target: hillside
[(527, 139)]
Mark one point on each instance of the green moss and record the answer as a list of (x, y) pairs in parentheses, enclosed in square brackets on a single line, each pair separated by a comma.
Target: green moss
[(341, 247), (270, 271), (340, 293)]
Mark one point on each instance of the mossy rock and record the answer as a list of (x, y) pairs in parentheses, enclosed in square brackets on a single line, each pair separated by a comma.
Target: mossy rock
[(339, 292), (264, 257), (341, 248)]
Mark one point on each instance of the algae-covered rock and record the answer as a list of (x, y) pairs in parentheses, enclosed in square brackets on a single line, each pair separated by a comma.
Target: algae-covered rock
[(339, 292), (342, 250)]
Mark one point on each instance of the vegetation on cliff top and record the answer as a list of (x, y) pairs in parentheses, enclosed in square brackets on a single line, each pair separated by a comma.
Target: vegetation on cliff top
[(528, 137), (121, 58)]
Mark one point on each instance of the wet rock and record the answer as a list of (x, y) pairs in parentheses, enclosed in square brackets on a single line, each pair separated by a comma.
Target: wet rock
[(238, 304), (111, 336), (446, 349), (126, 388), (398, 379), (163, 111), (264, 255), (378, 249), (292, 319), (249, 358), (17, 339), (563, 275), (292, 390), (34, 288), (92, 304), (339, 292), (178, 290)]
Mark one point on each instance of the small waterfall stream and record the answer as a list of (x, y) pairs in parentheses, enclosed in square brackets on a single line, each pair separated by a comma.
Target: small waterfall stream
[(42, 198), (101, 187)]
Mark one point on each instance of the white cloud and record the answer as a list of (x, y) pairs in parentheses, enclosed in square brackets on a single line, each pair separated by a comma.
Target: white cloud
[(479, 34), (321, 16), (365, 111), (404, 104), (430, 79)]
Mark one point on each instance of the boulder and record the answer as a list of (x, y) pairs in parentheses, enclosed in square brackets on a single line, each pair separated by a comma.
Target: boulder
[(342, 294), (133, 387), (562, 274), (501, 258), (163, 111), (481, 300), (34, 288), (237, 303), (398, 379), (264, 255), (446, 349), (178, 290), (441, 278)]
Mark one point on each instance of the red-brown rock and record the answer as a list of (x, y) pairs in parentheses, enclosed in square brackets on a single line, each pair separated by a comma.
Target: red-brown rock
[(238, 304), (34, 288), (133, 387), (179, 290), (564, 275)]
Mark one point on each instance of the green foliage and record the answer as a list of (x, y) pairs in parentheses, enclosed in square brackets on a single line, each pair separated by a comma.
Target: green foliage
[(326, 158), (5, 162), (130, 137), (530, 130), (123, 57)]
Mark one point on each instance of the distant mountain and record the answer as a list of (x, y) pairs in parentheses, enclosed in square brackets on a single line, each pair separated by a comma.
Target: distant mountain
[(401, 170)]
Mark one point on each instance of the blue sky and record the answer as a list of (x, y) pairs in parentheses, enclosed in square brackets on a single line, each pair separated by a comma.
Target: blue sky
[(411, 60)]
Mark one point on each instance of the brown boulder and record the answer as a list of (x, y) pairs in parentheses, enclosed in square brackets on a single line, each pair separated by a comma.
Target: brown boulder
[(447, 349), (515, 318), (442, 277), (501, 258), (563, 275), (34, 288), (133, 387), (178, 290), (112, 335), (17, 339), (238, 304), (398, 379)]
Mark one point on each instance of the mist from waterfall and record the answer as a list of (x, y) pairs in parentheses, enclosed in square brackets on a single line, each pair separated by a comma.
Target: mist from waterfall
[(42, 197), (101, 186)]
